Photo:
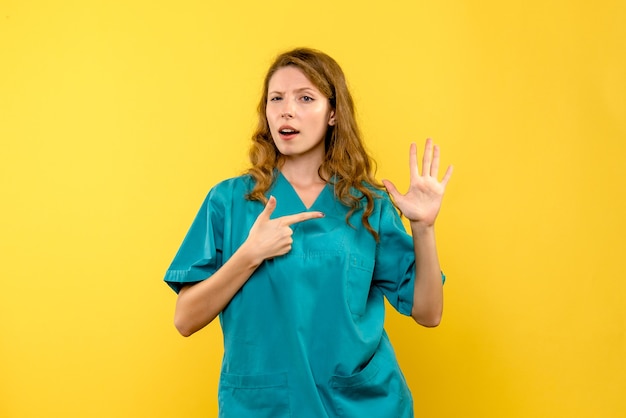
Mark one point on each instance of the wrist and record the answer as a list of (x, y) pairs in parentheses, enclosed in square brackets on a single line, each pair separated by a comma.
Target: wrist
[(422, 228), (248, 255)]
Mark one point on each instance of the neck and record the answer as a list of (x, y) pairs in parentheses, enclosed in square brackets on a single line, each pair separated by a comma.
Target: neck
[(301, 171)]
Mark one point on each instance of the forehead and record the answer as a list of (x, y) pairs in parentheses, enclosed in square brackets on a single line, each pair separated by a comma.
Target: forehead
[(289, 78)]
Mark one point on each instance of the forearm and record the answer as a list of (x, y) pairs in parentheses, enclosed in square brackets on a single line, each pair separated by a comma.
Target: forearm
[(428, 290), (197, 305)]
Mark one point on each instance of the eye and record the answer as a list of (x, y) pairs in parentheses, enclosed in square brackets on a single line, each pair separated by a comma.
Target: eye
[(275, 98), (307, 99)]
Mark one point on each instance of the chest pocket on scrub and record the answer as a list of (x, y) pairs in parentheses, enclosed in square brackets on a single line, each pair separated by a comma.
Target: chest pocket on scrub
[(358, 284)]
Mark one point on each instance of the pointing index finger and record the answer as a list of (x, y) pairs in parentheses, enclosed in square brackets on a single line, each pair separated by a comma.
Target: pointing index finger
[(300, 217)]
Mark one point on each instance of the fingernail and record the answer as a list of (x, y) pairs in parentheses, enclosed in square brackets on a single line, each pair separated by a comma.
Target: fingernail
[(323, 214)]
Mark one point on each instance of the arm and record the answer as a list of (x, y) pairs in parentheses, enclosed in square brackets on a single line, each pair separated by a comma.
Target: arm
[(198, 304), (428, 291), (421, 205)]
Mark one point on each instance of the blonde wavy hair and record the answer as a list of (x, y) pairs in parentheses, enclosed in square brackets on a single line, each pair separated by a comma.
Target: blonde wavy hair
[(346, 163)]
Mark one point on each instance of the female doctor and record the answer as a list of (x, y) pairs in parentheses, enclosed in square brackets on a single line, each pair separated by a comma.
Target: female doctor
[(297, 256)]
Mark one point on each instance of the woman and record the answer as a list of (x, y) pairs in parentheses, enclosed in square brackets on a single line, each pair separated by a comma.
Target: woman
[(297, 255)]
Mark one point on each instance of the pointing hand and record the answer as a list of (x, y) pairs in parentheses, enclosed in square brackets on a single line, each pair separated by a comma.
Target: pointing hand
[(272, 237)]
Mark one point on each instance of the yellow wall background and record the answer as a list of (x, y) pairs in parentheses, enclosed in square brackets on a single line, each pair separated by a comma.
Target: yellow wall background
[(116, 117)]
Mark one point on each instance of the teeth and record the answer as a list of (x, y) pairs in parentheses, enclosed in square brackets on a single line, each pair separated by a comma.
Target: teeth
[(288, 131)]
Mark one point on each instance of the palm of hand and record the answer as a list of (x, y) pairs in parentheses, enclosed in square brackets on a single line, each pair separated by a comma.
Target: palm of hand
[(422, 202)]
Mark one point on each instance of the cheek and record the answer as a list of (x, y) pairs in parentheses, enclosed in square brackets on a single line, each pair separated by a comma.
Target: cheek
[(269, 118), (319, 115)]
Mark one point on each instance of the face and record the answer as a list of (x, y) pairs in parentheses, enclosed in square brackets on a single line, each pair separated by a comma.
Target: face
[(298, 114)]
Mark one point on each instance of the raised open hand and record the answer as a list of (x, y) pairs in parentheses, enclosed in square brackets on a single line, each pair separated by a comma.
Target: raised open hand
[(421, 203), (272, 237)]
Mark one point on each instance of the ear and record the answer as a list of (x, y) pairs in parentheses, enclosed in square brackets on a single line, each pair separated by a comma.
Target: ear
[(331, 118)]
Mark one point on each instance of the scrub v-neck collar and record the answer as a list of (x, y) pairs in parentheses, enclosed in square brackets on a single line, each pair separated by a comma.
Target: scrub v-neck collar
[(282, 182)]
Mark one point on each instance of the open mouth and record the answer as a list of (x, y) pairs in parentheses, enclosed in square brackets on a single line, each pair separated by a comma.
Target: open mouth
[(287, 132)]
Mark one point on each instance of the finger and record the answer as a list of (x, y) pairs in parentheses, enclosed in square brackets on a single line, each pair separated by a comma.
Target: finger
[(300, 217), (269, 208), (413, 169), (426, 160), (434, 167), (391, 188), (446, 177)]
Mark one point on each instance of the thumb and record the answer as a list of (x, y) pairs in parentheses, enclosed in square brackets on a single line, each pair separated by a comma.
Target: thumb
[(269, 208), (391, 188)]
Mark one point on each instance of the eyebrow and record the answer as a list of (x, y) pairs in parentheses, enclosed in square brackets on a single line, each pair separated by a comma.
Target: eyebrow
[(299, 90)]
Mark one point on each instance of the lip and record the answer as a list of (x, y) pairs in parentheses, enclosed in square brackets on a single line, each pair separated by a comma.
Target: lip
[(287, 136)]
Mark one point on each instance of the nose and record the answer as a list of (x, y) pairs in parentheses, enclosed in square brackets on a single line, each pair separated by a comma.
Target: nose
[(288, 109)]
